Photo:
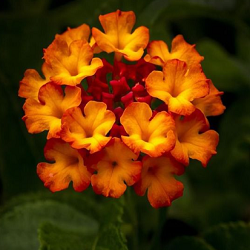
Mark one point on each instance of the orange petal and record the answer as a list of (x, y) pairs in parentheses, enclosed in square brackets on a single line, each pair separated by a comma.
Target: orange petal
[(68, 166), (118, 37), (94, 46), (178, 86), (80, 33), (115, 170), (70, 65), (194, 139), (151, 136), (46, 114), (88, 130), (159, 54), (158, 178), (32, 82), (210, 105)]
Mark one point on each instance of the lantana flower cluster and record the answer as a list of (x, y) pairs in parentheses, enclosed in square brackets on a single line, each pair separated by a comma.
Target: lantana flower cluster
[(135, 120)]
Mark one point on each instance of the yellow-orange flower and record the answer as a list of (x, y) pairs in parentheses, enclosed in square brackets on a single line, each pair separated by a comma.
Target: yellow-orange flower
[(88, 130), (178, 86), (210, 105), (118, 37), (159, 54), (151, 136), (71, 64), (80, 33), (116, 169), (46, 113), (32, 82), (158, 180), (194, 139), (68, 166)]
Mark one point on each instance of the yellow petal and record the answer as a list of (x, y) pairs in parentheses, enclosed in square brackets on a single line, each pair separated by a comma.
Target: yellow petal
[(158, 180), (72, 34), (68, 166), (117, 169), (211, 105), (88, 130), (94, 46), (178, 86), (117, 36), (70, 65), (194, 139), (32, 82), (46, 113), (159, 54), (151, 136)]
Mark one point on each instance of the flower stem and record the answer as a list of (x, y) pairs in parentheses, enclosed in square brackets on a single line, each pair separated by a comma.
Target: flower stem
[(133, 218), (156, 241)]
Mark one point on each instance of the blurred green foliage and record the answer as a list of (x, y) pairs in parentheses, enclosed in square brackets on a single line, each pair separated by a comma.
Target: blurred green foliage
[(224, 236), (218, 194)]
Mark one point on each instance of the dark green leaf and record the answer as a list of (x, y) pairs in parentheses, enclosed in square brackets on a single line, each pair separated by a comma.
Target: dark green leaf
[(243, 46), (52, 237), (19, 226), (186, 243), (111, 238), (229, 236), (224, 70), (107, 205)]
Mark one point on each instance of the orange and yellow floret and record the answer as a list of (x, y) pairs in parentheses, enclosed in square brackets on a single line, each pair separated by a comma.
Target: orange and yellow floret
[(114, 123)]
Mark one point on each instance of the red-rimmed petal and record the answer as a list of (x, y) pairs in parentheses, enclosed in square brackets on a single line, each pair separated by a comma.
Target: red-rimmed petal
[(211, 105), (46, 113), (73, 34), (32, 82), (157, 179), (68, 166), (153, 136), (88, 129), (117, 36), (116, 170), (70, 65), (194, 139), (178, 86), (158, 52)]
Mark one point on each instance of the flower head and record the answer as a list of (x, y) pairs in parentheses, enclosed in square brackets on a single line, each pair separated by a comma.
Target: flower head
[(114, 123)]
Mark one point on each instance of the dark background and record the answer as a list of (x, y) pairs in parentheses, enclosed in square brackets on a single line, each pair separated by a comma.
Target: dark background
[(221, 31)]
